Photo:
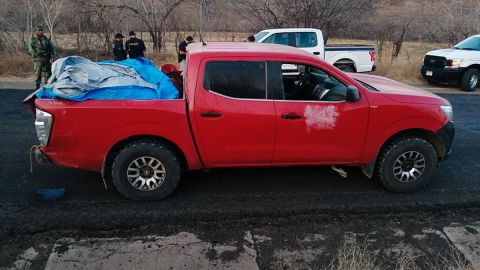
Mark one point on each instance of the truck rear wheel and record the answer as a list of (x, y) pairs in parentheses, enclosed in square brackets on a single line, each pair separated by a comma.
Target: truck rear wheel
[(345, 68), (146, 170), (407, 164), (470, 80)]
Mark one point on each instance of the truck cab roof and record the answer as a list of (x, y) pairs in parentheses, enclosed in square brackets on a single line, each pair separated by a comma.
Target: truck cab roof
[(292, 30), (245, 49)]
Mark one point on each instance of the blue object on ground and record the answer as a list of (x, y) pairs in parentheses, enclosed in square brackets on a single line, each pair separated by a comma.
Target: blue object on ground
[(51, 194), (76, 78)]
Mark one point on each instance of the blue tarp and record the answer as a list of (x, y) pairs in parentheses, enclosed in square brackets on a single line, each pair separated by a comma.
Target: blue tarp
[(76, 78)]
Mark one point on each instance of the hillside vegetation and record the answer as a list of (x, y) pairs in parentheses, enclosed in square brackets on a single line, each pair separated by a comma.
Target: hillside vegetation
[(401, 30)]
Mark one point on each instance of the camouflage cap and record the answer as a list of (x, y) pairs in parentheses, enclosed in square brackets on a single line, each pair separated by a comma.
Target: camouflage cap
[(39, 28)]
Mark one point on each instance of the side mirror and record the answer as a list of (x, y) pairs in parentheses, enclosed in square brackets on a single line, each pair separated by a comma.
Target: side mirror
[(352, 94)]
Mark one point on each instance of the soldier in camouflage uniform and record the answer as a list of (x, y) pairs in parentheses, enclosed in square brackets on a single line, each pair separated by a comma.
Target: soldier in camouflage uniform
[(42, 51)]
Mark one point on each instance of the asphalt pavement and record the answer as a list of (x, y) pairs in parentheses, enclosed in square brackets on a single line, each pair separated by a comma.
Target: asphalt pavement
[(226, 195)]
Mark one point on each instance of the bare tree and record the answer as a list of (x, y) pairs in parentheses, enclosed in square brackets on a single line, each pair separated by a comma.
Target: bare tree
[(269, 13), (328, 15), (16, 22), (30, 17), (397, 41), (205, 14), (456, 29), (153, 14), (50, 11), (95, 21)]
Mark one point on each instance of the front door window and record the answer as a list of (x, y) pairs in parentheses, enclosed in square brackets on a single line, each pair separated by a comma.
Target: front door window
[(307, 83)]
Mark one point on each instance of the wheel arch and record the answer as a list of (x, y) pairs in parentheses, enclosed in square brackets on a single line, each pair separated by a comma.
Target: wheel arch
[(346, 61), (475, 66), (107, 163), (427, 135)]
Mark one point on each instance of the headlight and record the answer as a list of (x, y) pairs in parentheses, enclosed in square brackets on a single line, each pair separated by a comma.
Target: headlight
[(447, 111), (43, 125), (454, 63)]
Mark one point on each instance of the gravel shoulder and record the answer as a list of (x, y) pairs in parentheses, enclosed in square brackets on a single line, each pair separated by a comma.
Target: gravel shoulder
[(17, 83)]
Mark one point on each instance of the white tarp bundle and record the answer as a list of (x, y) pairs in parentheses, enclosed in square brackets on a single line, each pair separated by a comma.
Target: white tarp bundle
[(75, 75)]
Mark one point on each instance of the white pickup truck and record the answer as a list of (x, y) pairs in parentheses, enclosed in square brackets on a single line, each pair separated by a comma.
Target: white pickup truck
[(459, 65), (349, 58)]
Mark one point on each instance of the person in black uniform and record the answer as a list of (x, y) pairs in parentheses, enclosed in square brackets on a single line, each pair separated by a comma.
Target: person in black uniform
[(119, 52), (135, 46), (182, 52)]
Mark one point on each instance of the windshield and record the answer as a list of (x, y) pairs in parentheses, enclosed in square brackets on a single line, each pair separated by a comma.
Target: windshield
[(260, 35), (471, 43)]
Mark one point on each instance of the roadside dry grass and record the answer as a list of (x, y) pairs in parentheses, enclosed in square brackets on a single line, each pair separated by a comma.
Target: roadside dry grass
[(405, 68), (16, 65), (352, 255)]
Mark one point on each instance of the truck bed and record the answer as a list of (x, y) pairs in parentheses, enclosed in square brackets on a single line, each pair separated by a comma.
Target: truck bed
[(360, 56), (84, 132)]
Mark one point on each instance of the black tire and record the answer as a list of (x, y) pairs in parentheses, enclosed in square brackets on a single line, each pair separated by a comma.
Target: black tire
[(169, 163), (345, 68), (466, 81), (393, 151)]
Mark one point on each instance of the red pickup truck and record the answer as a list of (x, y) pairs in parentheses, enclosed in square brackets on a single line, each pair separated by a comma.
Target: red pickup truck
[(252, 105)]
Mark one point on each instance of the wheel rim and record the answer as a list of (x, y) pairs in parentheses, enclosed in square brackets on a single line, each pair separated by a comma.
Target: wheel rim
[(409, 166), (473, 81), (146, 173)]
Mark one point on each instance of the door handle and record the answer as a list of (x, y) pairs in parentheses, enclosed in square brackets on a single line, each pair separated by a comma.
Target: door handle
[(316, 53), (291, 116), (211, 114)]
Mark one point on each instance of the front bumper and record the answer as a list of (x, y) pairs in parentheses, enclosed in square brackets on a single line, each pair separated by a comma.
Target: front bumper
[(442, 75), (446, 134)]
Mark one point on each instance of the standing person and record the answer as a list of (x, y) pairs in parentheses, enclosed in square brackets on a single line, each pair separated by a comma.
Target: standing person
[(182, 52), (42, 52), (135, 47), (119, 52), (251, 39)]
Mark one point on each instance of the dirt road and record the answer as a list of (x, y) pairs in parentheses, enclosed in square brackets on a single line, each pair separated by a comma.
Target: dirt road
[(284, 205)]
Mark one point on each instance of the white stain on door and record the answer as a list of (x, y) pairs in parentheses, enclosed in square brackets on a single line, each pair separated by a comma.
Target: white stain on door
[(320, 117)]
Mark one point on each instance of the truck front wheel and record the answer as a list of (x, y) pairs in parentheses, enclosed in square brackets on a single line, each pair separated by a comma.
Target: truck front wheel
[(470, 80), (407, 164), (146, 170)]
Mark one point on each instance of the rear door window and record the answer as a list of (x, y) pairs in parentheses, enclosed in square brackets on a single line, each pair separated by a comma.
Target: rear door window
[(243, 79), (306, 40)]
